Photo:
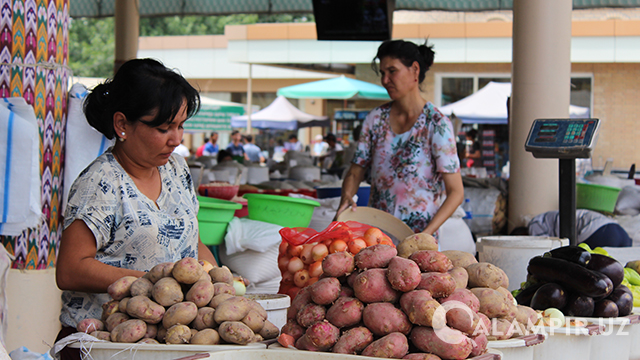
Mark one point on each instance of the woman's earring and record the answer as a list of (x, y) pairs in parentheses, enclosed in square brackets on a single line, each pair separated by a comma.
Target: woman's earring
[(121, 139)]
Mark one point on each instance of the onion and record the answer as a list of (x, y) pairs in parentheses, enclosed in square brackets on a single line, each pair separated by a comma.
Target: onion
[(295, 264), (319, 251), (300, 278)]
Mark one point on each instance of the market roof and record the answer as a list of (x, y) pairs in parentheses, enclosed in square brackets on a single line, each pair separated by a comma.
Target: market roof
[(103, 8)]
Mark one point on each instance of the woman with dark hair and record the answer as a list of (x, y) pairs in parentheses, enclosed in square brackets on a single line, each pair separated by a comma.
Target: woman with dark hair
[(408, 144), (135, 205)]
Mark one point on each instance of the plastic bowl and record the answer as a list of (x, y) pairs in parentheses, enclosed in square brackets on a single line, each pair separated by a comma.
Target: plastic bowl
[(219, 189), (330, 192), (596, 197), (213, 217), (280, 210)]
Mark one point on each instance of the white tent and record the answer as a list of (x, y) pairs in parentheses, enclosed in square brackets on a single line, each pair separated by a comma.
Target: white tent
[(280, 114), (489, 106)]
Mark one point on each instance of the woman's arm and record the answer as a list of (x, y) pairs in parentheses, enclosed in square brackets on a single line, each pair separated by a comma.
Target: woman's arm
[(455, 196), (77, 268), (350, 186), (205, 254)]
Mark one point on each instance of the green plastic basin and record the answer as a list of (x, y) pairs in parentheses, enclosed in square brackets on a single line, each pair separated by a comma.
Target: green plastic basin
[(213, 217), (280, 210)]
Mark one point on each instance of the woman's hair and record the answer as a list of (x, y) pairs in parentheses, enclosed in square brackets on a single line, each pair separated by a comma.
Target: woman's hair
[(141, 87), (407, 52)]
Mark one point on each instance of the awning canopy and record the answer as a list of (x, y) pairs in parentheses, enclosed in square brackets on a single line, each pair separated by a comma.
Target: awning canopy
[(338, 88), (102, 8), (214, 115), (489, 106), (280, 114)]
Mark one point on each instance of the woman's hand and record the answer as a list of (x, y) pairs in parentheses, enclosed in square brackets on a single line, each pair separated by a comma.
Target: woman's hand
[(344, 204), (350, 187)]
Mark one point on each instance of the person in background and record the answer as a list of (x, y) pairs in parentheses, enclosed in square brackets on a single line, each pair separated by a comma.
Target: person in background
[(182, 150), (319, 146), (350, 151), (235, 147), (278, 151), (332, 159), (253, 152), (472, 149), (592, 228), (293, 144), (408, 144), (135, 205), (224, 155), (211, 147)]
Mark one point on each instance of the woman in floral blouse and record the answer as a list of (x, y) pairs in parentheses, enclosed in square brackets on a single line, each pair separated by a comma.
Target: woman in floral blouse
[(409, 146)]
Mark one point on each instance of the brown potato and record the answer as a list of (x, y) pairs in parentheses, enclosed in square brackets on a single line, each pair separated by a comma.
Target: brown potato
[(269, 330), (221, 274), (152, 331), (206, 337), (235, 332), (90, 325), (109, 308), (121, 288), (232, 309), (460, 258), (143, 308), (149, 341), (217, 299), (167, 291), (200, 293), (116, 319), (178, 334), (223, 288), (416, 242), (187, 270), (254, 320), (102, 335), (141, 287), (159, 271), (129, 331), (204, 319), (485, 275), (122, 306), (180, 314)]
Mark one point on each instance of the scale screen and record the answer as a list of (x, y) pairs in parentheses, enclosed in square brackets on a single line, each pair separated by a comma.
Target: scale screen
[(562, 138)]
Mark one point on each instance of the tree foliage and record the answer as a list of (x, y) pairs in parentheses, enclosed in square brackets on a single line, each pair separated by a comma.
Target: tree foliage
[(92, 40)]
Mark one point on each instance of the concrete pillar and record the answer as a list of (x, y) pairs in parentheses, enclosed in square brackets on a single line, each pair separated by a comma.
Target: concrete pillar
[(541, 78), (127, 24)]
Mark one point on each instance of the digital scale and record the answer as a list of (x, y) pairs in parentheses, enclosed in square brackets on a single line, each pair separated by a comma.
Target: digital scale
[(566, 140)]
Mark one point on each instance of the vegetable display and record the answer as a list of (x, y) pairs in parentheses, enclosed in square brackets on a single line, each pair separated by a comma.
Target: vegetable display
[(180, 303), (579, 282), (415, 306)]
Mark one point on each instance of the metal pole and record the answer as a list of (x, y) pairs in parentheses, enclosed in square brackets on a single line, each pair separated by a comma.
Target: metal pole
[(567, 190), (249, 100)]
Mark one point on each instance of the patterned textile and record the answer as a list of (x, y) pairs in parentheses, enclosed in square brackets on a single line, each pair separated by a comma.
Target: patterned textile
[(406, 169), (131, 231), (34, 37)]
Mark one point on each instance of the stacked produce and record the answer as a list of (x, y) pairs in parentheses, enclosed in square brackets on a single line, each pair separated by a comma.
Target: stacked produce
[(578, 283), (186, 302), (632, 280), (300, 255), (411, 302)]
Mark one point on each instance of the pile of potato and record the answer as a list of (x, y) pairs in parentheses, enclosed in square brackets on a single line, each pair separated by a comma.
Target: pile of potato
[(180, 303), (413, 306)]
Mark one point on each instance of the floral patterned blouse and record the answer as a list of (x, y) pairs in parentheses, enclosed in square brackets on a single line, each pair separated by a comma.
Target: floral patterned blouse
[(406, 169)]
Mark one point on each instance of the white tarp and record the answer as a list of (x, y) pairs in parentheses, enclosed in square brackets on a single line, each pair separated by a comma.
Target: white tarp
[(280, 114), (489, 106)]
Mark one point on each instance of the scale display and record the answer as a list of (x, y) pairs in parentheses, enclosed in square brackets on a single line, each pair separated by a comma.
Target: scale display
[(562, 138)]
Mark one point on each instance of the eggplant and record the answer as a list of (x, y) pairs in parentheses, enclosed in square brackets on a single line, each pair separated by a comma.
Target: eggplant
[(572, 253), (623, 299), (549, 295), (571, 276), (605, 308), (525, 295), (578, 305), (608, 266)]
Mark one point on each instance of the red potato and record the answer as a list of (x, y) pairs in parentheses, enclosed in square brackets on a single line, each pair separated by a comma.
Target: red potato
[(463, 319), (484, 325), (345, 312), (420, 308), (447, 343), (432, 260), (304, 343), (460, 276), (310, 314), (353, 341), (200, 293), (338, 264), (372, 286), (346, 291), (460, 258), (403, 274), (464, 296), (393, 346), (479, 343), (384, 318), (485, 275), (438, 284), (293, 329), (421, 356), (301, 299), (90, 325), (121, 288), (325, 291), (376, 256), (323, 335)]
